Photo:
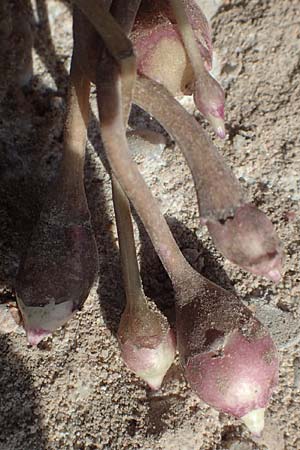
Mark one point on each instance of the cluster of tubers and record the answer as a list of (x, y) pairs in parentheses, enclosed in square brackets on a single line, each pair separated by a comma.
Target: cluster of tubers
[(146, 52)]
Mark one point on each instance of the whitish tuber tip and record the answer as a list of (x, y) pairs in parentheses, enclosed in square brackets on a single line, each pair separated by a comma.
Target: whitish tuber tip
[(41, 321), (255, 421), (218, 125), (34, 336), (160, 359), (155, 382), (150, 364), (274, 275)]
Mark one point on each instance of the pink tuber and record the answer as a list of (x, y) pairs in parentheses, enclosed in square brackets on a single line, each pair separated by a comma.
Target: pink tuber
[(248, 239), (61, 262), (228, 356), (208, 94), (240, 231), (161, 55), (214, 328), (174, 48), (146, 340)]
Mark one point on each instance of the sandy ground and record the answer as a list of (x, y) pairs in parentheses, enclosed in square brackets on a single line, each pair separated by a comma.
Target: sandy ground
[(73, 391)]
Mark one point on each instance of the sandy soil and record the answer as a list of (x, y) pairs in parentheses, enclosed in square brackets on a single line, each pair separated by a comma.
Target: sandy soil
[(73, 391)]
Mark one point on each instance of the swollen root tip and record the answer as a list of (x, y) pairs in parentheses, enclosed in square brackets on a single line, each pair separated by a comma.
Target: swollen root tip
[(34, 336), (255, 421), (274, 275), (218, 125)]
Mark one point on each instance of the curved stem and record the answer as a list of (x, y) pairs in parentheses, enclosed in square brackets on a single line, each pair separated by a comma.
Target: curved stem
[(188, 37), (116, 41), (130, 268), (128, 175), (219, 192), (133, 286)]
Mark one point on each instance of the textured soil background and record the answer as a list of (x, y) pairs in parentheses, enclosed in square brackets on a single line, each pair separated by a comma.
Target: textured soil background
[(73, 392)]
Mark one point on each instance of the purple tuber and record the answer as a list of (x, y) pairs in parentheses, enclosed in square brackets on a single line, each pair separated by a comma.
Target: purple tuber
[(228, 357), (249, 240), (174, 48), (212, 324), (61, 262), (146, 340), (242, 232)]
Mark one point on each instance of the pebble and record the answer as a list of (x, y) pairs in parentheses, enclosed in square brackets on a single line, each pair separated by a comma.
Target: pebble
[(9, 319), (238, 445), (239, 142), (283, 327), (210, 7), (296, 365)]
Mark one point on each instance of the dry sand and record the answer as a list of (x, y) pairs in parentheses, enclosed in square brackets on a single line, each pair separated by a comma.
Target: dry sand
[(73, 391)]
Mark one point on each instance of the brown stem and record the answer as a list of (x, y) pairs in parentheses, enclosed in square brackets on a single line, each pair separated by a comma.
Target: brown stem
[(113, 134), (75, 131), (188, 37), (219, 192), (124, 12), (130, 268), (110, 31), (116, 42), (133, 286)]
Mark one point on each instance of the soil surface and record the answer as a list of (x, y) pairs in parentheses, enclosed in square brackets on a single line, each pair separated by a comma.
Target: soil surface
[(73, 391)]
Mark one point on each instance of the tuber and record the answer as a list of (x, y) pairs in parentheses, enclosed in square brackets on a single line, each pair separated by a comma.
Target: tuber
[(174, 48), (248, 239), (160, 52), (61, 262), (208, 94), (239, 230), (147, 343), (228, 356), (205, 313)]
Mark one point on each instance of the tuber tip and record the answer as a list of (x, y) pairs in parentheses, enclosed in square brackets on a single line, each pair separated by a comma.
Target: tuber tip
[(34, 336), (249, 240), (41, 321), (209, 98), (274, 275), (218, 125), (150, 364), (155, 382), (255, 421)]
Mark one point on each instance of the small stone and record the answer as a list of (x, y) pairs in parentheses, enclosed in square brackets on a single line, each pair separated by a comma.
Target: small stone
[(10, 319), (239, 142), (210, 7), (296, 365), (147, 143), (284, 328)]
